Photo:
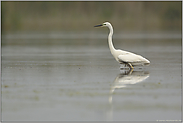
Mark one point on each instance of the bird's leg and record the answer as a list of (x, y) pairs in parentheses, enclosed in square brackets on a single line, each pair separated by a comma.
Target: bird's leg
[(130, 72), (126, 65), (130, 66)]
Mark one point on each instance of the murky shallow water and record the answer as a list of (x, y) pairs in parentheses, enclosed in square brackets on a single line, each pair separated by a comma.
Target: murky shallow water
[(78, 79)]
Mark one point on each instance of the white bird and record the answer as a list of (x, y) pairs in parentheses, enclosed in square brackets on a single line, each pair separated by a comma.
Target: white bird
[(121, 56)]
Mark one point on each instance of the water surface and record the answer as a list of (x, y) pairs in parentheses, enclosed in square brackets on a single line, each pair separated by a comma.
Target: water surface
[(75, 78)]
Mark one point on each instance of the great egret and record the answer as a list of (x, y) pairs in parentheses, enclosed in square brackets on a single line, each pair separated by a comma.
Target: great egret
[(121, 56)]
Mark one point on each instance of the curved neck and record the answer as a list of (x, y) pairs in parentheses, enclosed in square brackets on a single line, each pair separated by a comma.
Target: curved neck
[(112, 49)]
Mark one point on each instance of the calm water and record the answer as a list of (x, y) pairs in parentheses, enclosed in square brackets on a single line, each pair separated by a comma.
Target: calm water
[(74, 77)]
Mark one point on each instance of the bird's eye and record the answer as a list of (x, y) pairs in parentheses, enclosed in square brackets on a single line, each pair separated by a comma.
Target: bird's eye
[(104, 24)]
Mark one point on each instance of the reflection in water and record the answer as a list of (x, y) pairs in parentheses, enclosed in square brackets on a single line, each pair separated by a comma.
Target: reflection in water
[(123, 80)]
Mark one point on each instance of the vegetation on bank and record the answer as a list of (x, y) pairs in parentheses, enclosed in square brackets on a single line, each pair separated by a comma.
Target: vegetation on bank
[(80, 16)]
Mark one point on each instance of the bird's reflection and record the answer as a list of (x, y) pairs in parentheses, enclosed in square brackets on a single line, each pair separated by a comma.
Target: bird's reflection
[(124, 79)]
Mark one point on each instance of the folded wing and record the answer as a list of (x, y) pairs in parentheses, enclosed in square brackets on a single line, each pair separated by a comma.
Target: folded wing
[(132, 58)]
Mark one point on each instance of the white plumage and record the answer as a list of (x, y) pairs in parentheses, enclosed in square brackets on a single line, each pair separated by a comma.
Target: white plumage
[(123, 57)]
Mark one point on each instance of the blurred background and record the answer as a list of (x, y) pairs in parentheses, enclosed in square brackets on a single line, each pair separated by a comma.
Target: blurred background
[(56, 66), (82, 16)]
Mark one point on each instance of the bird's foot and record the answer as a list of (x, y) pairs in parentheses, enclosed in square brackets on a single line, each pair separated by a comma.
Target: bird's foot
[(126, 71)]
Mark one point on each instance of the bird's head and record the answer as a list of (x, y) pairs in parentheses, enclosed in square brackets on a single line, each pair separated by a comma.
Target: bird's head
[(103, 25)]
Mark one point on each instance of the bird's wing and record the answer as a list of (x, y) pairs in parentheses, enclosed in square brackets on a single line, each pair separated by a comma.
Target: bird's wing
[(130, 57)]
